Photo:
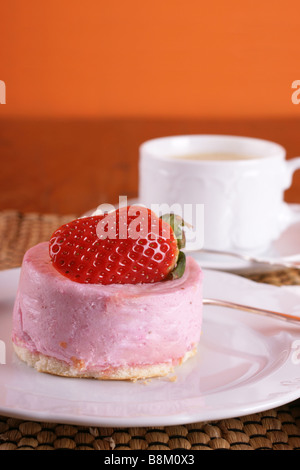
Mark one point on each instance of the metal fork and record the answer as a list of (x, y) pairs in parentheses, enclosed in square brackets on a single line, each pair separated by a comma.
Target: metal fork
[(270, 313)]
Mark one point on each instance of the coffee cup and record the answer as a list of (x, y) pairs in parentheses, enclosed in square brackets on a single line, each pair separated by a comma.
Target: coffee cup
[(238, 181)]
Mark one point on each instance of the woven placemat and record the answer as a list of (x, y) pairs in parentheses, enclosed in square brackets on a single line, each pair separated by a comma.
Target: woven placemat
[(276, 429)]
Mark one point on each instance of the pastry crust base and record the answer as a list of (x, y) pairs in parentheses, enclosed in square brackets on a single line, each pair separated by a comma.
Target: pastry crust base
[(51, 365)]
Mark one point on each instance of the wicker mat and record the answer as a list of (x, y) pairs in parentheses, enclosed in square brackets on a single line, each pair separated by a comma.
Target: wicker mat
[(277, 429)]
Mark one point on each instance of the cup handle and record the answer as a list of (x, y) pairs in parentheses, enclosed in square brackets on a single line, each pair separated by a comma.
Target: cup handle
[(290, 213), (293, 164)]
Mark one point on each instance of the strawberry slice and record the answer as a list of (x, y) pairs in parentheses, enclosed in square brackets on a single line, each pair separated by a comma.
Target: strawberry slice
[(128, 246)]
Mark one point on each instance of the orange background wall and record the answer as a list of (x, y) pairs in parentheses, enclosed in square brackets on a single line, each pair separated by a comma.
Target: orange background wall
[(162, 58)]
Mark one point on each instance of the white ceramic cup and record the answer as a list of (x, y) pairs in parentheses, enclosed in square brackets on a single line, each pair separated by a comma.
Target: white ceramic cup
[(243, 199)]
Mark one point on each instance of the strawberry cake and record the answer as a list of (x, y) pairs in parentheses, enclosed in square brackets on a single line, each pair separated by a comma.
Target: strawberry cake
[(113, 311)]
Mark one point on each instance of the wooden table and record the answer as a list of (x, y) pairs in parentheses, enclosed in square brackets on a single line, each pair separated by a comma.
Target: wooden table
[(65, 167)]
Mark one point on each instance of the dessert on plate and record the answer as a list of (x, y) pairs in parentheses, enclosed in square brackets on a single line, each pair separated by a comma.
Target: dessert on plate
[(109, 297)]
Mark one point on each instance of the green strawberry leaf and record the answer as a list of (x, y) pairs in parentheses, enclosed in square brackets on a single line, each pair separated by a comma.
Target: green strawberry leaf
[(177, 224), (179, 269)]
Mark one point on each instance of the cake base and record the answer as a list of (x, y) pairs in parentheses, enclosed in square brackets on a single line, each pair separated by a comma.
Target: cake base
[(51, 365)]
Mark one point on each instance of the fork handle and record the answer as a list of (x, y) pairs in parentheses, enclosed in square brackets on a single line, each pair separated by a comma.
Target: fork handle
[(269, 313)]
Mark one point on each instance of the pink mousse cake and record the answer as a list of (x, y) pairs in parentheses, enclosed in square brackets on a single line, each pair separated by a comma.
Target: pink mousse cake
[(104, 331)]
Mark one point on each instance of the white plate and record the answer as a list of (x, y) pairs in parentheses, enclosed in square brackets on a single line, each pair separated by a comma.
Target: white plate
[(246, 363), (287, 245)]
